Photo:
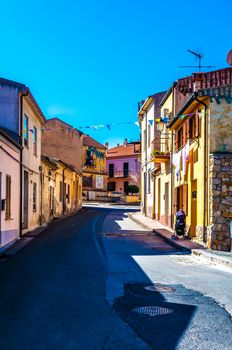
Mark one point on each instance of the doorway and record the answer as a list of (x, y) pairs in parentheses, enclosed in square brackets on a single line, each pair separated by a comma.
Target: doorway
[(166, 203), (159, 199), (25, 199), (51, 202), (193, 208), (125, 187)]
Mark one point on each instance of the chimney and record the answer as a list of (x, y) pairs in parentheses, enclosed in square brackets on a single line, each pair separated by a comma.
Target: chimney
[(125, 142), (106, 145), (197, 81)]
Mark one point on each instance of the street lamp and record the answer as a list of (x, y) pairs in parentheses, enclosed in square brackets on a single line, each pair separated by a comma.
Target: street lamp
[(160, 125)]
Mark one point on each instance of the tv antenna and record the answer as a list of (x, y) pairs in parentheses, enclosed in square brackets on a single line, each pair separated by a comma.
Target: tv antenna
[(199, 57)]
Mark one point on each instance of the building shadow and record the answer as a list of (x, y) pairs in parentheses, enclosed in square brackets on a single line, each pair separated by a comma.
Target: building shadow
[(156, 316)]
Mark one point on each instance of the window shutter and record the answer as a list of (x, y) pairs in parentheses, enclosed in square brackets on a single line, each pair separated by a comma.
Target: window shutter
[(184, 133), (188, 129), (8, 197), (196, 125), (185, 198), (177, 143)]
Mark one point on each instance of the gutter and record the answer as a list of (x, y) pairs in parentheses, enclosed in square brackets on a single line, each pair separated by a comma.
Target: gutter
[(21, 165)]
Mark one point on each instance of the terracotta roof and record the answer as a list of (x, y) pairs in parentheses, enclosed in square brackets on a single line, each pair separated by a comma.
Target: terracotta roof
[(129, 150), (89, 141)]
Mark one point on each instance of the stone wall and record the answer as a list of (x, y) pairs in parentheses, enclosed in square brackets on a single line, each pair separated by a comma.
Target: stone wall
[(220, 201)]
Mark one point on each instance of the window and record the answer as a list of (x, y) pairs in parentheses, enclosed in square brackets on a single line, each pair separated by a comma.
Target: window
[(148, 182), (180, 138), (35, 140), (192, 128), (34, 195), (149, 135), (25, 130), (8, 197)]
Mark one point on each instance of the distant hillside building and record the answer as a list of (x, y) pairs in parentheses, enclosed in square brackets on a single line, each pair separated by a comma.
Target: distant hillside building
[(94, 169), (123, 166)]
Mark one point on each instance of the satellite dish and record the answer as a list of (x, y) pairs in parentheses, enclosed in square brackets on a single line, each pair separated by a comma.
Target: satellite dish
[(229, 58)]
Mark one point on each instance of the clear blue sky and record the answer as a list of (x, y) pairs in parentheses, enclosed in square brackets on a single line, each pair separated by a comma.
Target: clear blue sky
[(90, 62)]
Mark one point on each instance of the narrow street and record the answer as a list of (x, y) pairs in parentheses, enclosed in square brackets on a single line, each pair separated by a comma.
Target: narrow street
[(82, 284)]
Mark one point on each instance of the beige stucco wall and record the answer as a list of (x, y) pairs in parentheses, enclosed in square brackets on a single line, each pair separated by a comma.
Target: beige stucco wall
[(31, 164), (8, 166), (56, 176), (61, 141)]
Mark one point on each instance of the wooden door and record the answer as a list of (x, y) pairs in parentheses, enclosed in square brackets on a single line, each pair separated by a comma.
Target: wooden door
[(51, 202), (193, 208), (166, 202), (25, 200)]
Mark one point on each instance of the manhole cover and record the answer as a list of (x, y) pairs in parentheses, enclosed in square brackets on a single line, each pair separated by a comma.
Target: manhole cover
[(159, 288), (152, 310)]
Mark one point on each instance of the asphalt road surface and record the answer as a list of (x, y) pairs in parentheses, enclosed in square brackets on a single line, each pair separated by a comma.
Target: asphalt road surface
[(82, 284)]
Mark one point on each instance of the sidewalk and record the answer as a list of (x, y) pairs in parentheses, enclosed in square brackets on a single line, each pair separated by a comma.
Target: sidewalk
[(223, 258)]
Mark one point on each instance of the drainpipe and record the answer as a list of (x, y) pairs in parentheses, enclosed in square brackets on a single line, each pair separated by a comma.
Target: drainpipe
[(64, 194), (145, 182), (21, 166), (205, 168), (172, 141), (41, 196)]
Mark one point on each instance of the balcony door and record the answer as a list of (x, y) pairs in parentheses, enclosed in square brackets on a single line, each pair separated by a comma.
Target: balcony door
[(125, 169), (111, 170)]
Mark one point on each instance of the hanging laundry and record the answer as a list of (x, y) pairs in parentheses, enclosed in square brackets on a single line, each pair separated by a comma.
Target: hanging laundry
[(176, 157)]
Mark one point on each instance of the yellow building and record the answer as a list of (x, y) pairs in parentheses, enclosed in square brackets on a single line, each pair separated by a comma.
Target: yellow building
[(61, 189), (203, 163), (192, 157), (162, 173), (94, 170)]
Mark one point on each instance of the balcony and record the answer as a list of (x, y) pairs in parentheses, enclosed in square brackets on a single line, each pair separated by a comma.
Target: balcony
[(160, 157), (120, 174)]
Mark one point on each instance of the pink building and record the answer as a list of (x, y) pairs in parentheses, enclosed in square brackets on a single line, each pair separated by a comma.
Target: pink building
[(123, 166), (9, 187)]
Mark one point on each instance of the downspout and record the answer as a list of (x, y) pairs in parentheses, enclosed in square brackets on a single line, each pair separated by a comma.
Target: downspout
[(172, 141), (41, 196), (145, 182), (64, 194), (21, 166), (205, 168)]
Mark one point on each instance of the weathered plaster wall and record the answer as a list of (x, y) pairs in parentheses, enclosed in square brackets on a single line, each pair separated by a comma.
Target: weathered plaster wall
[(61, 141), (220, 130), (220, 201)]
